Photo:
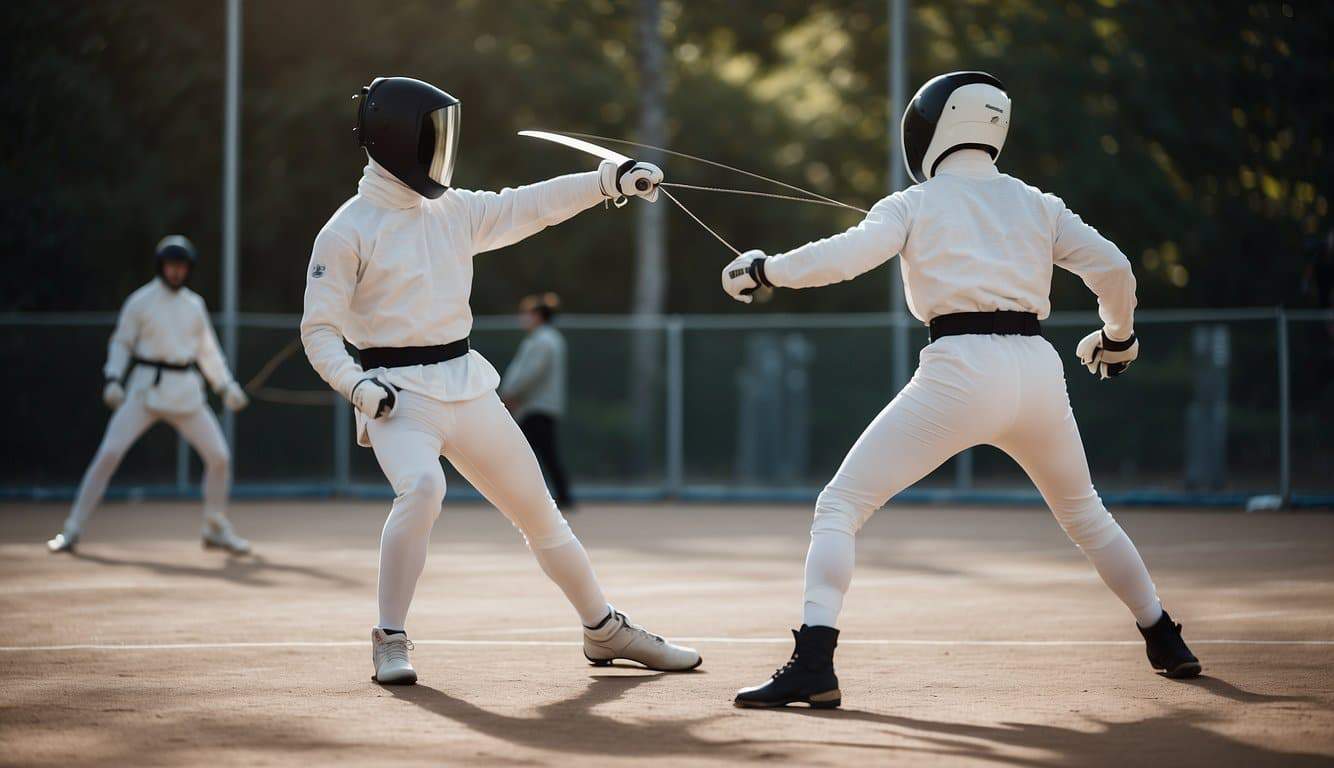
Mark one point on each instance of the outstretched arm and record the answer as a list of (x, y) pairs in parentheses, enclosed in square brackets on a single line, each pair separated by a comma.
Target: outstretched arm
[(877, 239), (862, 248), (503, 218)]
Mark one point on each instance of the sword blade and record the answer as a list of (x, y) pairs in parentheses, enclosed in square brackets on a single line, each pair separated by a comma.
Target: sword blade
[(579, 144)]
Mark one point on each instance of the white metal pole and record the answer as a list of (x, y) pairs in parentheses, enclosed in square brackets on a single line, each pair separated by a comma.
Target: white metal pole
[(675, 446), (1284, 411), (230, 185), (898, 96), (342, 414)]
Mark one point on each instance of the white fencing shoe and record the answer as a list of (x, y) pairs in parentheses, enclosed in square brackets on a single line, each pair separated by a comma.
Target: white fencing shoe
[(390, 655), (63, 542), (616, 638), (218, 534)]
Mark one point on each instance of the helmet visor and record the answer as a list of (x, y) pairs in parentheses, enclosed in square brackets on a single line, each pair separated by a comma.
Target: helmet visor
[(439, 143)]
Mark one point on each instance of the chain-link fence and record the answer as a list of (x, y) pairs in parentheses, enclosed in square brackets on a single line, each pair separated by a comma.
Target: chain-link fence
[(1222, 406)]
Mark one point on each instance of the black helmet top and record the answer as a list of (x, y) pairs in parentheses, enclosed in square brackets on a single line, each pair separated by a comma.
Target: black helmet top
[(175, 248), (957, 110), (411, 128)]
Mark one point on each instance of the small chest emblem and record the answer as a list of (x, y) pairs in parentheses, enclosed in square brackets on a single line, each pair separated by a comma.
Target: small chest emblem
[(317, 271)]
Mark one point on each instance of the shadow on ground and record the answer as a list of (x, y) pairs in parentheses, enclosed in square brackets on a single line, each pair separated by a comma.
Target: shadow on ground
[(572, 726), (247, 570), (1176, 738)]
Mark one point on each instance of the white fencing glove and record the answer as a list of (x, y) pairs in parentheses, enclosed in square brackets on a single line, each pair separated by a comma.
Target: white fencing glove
[(744, 274), (374, 397), (113, 394), (233, 397), (1104, 357), (629, 179)]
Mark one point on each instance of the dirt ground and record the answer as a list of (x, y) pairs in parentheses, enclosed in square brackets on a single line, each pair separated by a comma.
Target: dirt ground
[(971, 637)]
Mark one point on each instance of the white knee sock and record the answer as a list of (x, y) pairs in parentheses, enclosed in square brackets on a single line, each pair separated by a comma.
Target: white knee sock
[(217, 487), (568, 566), (402, 558), (403, 545), (829, 564), (1122, 569)]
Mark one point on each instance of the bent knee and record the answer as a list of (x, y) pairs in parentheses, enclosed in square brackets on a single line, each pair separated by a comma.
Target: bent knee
[(1086, 521), (550, 534), (842, 510), (420, 497), (547, 529), (218, 459)]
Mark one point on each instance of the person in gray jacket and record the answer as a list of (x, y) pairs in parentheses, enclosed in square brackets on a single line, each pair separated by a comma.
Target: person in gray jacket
[(534, 389)]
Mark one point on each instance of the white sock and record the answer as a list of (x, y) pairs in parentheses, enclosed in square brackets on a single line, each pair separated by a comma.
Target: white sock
[(829, 564), (568, 566), (1123, 571)]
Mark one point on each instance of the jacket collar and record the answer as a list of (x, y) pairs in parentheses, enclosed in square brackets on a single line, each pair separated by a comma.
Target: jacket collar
[(381, 188), (968, 162)]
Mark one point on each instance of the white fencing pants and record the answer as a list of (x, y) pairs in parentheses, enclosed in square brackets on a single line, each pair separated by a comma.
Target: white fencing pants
[(481, 440), (1006, 391), (200, 429)]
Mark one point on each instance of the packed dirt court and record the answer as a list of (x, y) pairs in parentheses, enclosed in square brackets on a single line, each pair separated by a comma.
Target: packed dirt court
[(970, 637)]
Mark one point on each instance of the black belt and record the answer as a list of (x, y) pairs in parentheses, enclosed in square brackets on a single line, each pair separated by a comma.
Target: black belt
[(399, 357), (160, 365), (967, 323)]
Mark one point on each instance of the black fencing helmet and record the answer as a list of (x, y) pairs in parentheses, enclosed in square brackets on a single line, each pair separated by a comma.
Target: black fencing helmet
[(175, 248), (959, 110), (410, 128)]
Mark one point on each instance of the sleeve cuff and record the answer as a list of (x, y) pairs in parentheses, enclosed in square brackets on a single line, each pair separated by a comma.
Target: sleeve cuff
[(1117, 345)]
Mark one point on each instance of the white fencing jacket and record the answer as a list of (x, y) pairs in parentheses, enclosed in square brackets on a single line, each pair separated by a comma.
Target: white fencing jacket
[(972, 240), (171, 326), (394, 269)]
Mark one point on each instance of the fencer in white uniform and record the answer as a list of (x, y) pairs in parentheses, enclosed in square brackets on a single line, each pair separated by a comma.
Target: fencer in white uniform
[(163, 340), (978, 248), (391, 272)]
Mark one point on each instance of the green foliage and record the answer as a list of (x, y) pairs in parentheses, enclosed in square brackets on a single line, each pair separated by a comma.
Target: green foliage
[(1195, 135)]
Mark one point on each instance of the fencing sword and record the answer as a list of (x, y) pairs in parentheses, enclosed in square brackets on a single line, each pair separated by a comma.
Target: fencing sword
[(812, 197), (574, 142)]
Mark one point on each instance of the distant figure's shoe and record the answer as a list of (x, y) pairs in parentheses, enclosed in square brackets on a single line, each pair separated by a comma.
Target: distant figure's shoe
[(218, 534), (807, 677), (617, 638), (390, 656), (63, 542), (1167, 651)]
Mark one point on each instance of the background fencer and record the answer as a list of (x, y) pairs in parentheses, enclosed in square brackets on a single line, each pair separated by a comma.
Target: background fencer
[(162, 342)]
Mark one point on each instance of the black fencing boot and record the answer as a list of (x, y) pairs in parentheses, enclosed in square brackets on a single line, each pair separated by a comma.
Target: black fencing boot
[(1167, 651), (807, 677)]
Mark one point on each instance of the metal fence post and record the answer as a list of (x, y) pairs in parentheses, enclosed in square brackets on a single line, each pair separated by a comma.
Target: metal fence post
[(182, 466), (342, 416), (1284, 410), (963, 470), (675, 471)]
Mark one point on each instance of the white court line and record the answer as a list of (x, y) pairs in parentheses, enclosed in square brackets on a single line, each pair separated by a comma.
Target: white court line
[(571, 643), (1288, 615)]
